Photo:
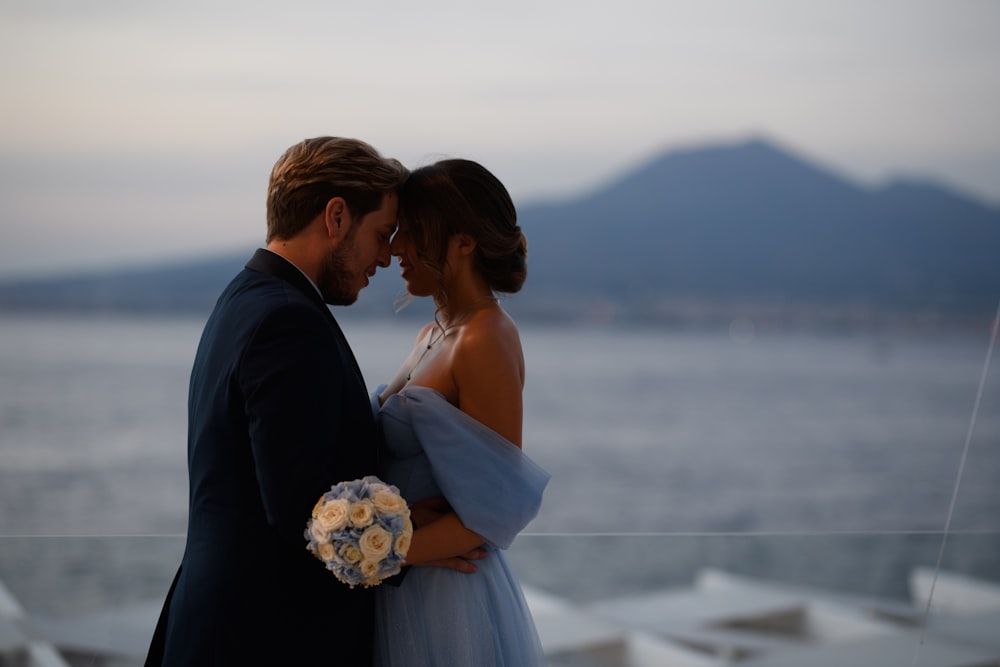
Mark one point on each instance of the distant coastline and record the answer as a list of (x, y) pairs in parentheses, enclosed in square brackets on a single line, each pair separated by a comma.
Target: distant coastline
[(744, 234)]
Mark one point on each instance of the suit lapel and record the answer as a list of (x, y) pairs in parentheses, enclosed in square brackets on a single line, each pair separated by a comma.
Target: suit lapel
[(273, 264)]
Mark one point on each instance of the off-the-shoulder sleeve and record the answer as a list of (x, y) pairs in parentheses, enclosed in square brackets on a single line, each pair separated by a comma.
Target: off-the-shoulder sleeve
[(492, 485)]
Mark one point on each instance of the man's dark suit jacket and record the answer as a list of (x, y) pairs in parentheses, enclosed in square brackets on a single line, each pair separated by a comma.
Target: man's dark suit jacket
[(277, 413)]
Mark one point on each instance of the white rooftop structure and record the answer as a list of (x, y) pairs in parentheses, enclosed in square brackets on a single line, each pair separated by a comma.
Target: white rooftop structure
[(721, 619)]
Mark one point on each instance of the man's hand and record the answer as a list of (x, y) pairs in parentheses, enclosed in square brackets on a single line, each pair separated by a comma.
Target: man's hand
[(461, 563)]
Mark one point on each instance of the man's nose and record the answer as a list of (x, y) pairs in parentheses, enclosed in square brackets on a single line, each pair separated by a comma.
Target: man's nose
[(385, 256)]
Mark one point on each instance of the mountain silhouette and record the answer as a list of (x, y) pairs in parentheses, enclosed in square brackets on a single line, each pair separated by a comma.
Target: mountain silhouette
[(744, 223), (752, 222)]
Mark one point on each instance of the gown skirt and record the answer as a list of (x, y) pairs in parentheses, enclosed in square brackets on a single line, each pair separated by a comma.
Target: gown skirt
[(437, 616)]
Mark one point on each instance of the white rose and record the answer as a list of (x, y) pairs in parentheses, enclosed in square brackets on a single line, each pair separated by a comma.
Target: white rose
[(403, 543), (377, 487), (369, 569), (375, 543), (331, 515), (350, 553), (362, 513), (318, 505), (387, 502), (326, 551), (317, 533)]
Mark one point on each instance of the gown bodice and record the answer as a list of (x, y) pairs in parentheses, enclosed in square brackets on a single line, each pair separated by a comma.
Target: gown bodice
[(435, 449)]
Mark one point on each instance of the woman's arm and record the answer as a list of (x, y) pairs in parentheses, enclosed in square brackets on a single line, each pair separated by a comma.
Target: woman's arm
[(487, 368), (488, 372), (440, 542)]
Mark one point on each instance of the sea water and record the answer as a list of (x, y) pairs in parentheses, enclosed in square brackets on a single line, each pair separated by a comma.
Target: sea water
[(814, 458)]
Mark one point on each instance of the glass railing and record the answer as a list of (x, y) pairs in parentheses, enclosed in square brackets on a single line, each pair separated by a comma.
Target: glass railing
[(625, 600)]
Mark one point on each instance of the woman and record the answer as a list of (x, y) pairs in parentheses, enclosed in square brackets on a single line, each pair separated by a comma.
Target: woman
[(451, 419)]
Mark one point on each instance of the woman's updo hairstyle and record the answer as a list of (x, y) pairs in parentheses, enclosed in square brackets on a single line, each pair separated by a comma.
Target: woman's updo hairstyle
[(462, 197)]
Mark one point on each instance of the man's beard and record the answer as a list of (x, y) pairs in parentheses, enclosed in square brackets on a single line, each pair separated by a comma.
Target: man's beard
[(335, 280)]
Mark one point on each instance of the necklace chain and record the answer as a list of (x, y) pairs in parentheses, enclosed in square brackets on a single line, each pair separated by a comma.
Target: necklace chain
[(432, 341)]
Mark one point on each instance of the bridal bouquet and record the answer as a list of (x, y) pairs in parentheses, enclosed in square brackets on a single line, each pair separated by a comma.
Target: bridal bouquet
[(361, 530)]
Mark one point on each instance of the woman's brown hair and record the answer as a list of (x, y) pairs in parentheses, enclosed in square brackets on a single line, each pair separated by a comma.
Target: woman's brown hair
[(462, 197)]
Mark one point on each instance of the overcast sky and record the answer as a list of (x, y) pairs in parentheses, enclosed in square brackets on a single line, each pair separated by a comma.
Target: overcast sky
[(134, 132)]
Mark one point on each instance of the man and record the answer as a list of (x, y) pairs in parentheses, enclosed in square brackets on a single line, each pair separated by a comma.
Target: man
[(277, 412)]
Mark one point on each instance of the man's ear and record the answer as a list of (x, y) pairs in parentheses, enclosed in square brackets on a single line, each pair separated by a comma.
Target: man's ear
[(336, 218)]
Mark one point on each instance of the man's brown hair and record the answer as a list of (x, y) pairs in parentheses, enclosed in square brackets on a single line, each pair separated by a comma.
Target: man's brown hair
[(314, 171)]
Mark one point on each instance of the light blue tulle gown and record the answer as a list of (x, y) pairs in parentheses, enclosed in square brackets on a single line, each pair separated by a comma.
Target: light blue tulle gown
[(437, 616)]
